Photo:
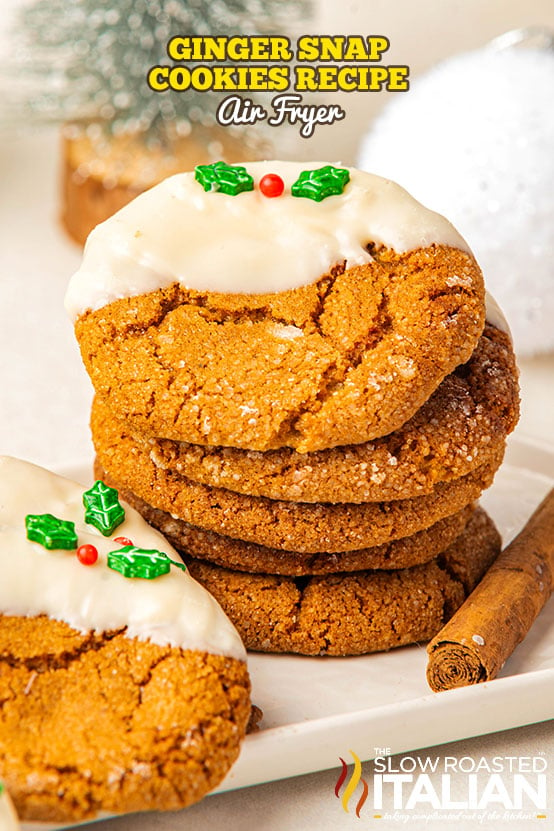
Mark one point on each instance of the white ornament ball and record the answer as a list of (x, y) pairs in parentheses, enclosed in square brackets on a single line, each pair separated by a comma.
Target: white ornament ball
[(474, 140)]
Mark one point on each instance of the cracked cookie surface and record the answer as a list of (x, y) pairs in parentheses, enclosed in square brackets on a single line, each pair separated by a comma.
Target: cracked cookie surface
[(92, 722), (459, 427), (292, 526), (246, 556), (343, 360), (352, 614)]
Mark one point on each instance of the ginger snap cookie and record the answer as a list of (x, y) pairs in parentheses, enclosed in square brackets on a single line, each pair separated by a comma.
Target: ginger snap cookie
[(212, 313), (293, 526), (460, 427), (247, 556), (352, 614), (123, 684)]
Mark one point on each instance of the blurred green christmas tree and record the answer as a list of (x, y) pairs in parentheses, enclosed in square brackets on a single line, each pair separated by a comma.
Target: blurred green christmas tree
[(87, 60), (83, 64)]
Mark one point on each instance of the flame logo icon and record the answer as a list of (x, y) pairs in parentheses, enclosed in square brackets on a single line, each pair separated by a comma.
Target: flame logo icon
[(352, 784)]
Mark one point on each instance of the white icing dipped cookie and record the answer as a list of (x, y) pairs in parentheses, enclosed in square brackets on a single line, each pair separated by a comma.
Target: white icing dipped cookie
[(319, 317), (173, 232), (172, 609), (119, 692)]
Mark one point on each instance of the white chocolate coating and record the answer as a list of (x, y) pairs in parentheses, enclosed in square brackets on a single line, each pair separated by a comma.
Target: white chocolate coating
[(249, 243), (8, 817), (172, 609), (495, 315)]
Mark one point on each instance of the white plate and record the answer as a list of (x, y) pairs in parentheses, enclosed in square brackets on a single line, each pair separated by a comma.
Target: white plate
[(315, 709)]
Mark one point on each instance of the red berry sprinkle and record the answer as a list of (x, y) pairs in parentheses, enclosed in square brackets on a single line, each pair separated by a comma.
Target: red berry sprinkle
[(87, 554), (271, 185), (123, 540)]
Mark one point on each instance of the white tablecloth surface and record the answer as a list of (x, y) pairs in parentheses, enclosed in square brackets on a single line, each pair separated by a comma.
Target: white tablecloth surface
[(45, 400)]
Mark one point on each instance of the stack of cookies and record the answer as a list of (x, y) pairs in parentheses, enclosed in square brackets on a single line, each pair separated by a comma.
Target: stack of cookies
[(299, 383)]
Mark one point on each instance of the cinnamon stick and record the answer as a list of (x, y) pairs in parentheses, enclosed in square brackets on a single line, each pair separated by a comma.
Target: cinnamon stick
[(474, 645)]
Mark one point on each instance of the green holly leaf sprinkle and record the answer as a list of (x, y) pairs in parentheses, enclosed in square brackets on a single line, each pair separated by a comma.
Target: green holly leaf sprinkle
[(226, 178), (131, 561), (321, 183), (50, 531), (102, 508)]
